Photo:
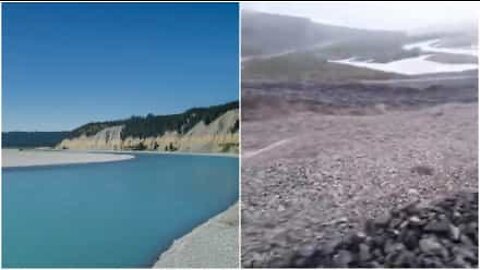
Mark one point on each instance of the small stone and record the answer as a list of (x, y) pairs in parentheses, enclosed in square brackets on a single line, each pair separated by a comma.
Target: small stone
[(472, 228), (377, 253), (361, 235), (373, 264), (307, 250), (370, 227), (457, 215), (341, 220), (465, 253), (412, 191), (437, 226), (431, 262), (330, 247), (430, 245), (410, 239), (383, 220), (405, 259), (355, 239), (343, 258), (395, 223), (278, 261), (454, 233), (413, 209), (364, 252), (404, 224), (393, 247), (415, 221), (389, 258), (466, 241), (378, 241), (459, 262)]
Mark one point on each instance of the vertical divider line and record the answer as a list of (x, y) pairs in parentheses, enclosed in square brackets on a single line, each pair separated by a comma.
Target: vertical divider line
[(240, 135)]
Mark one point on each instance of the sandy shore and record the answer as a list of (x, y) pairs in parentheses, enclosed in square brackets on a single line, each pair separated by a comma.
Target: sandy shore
[(16, 158), (213, 244)]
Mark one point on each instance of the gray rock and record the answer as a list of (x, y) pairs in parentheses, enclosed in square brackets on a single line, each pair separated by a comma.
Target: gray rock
[(459, 262), (430, 245), (410, 239), (465, 253), (415, 221), (467, 241), (383, 220), (454, 232), (393, 247), (343, 258), (364, 252), (437, 226), (405, 259)]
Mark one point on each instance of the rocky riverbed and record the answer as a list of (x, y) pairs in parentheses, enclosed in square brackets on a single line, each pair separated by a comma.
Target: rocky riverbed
[(439, 235), (261, 100), (309, 178)]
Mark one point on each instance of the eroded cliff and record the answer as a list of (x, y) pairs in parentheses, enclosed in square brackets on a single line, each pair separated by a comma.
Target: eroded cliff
[(217, 135)]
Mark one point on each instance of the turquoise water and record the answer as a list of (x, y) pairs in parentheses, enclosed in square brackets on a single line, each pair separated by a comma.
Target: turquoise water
[(116, 214)]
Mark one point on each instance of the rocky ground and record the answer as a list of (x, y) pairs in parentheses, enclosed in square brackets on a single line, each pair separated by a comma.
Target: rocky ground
[(441, 235), (261, 100), (310, 178)]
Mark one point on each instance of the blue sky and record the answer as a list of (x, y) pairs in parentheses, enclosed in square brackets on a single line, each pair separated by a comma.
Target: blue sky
[(68, 64)]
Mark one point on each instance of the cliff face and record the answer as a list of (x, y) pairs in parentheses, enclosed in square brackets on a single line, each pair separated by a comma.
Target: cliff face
[(219, 136), (106, 139)]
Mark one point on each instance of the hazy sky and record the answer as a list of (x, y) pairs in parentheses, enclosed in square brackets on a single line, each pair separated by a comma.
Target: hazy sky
[(377, 15), (67, 64)]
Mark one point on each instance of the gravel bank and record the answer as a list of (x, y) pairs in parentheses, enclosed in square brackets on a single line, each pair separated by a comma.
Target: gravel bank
[(338, 171), (441, 235), (213, 244), (26, 158)]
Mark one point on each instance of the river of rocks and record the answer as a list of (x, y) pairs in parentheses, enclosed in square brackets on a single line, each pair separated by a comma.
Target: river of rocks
[(443, 234), (320, 178)]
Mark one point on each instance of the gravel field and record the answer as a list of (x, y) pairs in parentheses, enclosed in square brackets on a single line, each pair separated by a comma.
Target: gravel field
[(15, 158), (213, 244), (310, 179), (441, 235)]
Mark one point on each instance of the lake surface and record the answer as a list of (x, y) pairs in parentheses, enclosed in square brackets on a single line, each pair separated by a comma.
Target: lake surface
[(431, 46), (118, 214), (409, 66), (418, 65)]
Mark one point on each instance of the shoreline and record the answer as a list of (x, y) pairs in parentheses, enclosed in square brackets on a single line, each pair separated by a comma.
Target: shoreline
[(29, 157), (16, 158), (231, 155), (212, 244)]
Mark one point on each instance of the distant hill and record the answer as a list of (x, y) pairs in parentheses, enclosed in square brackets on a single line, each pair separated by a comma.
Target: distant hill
[(285, 48), (209, 129), (152, 125), (21, 139), (264, 33)]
